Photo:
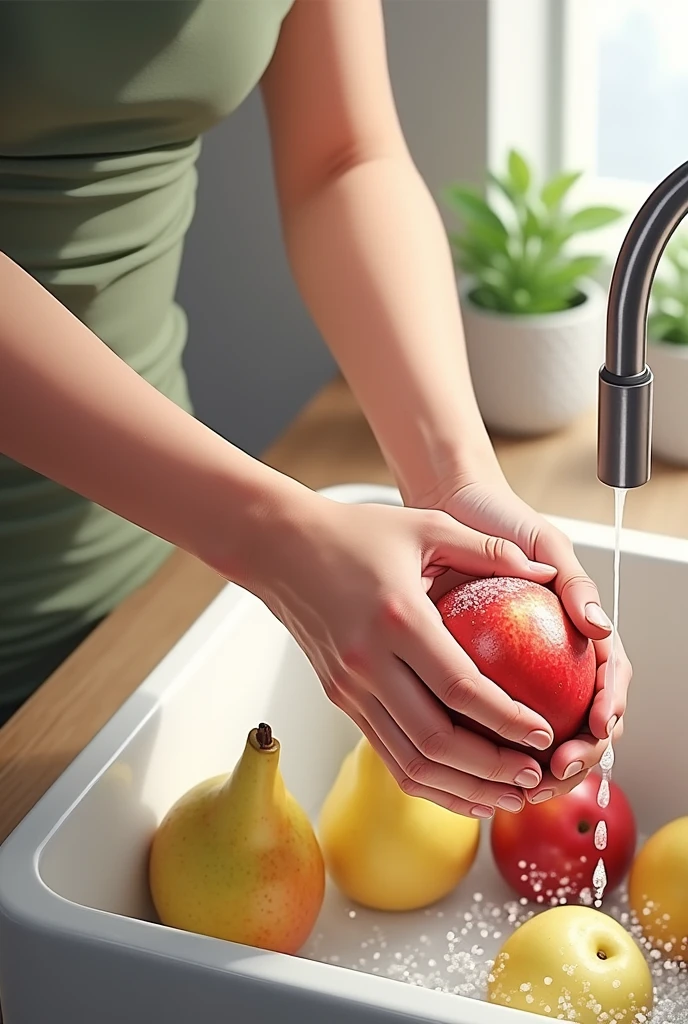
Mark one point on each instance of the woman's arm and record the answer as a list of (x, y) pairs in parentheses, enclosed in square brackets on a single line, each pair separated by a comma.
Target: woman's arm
[(73, 411), (349, 582), (367, 245), (370, 255)]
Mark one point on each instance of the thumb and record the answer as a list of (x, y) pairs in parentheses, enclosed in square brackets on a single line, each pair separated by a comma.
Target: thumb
[(451, 545), (577, 592)]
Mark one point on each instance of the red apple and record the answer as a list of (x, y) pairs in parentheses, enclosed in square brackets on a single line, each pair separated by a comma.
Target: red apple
[(519, 635), (548, 850)]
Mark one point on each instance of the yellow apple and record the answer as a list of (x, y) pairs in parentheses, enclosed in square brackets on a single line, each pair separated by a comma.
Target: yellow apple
[(572, 963), (658, 889)]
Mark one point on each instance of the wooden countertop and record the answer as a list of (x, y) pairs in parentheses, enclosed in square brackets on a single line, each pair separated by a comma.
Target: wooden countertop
[(328, 443)]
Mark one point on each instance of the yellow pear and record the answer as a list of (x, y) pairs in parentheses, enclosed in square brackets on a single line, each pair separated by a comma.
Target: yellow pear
[(658, 889), (237, 858), (573, 963), (385, 849)]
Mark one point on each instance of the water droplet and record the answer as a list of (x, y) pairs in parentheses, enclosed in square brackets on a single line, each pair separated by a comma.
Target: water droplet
[(607, 759), (603, 793), (601, 835), (599, 878)]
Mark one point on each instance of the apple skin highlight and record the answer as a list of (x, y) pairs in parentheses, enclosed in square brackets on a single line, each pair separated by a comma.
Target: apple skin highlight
[(518, 634)]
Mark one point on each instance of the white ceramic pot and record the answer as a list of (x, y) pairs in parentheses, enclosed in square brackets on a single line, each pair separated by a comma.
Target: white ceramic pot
[(669, 365), (535, 374)]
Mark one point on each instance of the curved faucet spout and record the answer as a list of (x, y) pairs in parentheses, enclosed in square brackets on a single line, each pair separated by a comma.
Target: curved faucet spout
[(624, 425)]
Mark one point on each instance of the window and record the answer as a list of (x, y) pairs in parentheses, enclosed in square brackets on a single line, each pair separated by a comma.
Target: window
[(594, 85), (624, 93)]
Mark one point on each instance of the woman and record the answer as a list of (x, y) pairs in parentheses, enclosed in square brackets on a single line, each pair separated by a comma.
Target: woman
[(104, 464)]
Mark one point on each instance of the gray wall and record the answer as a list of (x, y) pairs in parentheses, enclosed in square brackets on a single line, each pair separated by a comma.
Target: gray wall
[(254, 358)]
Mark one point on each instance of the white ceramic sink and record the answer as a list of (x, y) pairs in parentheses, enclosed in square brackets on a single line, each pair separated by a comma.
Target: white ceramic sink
[(78, 939)]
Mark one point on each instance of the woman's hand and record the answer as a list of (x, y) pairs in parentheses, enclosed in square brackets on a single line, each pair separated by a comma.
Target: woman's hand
[(489, 505), (351, 582)]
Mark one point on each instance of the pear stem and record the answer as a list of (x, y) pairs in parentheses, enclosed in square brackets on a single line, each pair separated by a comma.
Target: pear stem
[(264, 736)]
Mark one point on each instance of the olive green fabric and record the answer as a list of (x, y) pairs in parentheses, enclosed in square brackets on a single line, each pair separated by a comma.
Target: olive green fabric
[(103, 106)]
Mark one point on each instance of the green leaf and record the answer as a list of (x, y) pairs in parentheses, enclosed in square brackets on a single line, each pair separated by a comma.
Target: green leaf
[(531, 225), (519, 173), (676, 254), (487, 298), (659, 325), (483, 254), (590, 218), (568, 274), (472, 207), (557, 187), (504, 186), (667, 328)]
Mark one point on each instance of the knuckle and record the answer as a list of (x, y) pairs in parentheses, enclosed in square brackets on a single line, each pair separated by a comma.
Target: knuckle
[(480, 794), (433, 745), (459, 692), (498, 770), (410, 787), (355, 658), (456, 805), (394, 611), (576, 579), (512, 723), (495, 548), (419, 769)]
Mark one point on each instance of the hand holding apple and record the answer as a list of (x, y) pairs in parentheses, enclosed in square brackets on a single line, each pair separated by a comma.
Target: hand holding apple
[(548, 850), (518, 635)]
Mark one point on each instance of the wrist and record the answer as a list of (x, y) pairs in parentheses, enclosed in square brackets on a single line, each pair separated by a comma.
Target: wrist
[(446, 467), (250, 521)]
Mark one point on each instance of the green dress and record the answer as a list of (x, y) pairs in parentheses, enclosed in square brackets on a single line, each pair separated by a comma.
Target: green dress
[(104, 104)]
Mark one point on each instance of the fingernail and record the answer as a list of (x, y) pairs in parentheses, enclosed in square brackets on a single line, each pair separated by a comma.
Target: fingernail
[(527, 778), (544, 794), (539, 739), (482, 812), (611, 725), (511, 803), (573, 769), (597, 617), (542, 567)]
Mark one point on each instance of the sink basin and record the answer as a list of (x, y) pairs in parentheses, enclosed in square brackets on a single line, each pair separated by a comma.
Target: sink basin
[(79, 941)]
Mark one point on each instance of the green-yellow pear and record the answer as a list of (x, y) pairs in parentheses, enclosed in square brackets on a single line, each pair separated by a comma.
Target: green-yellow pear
[(237, 858), (385, 849), (658, 889), (573, 963)]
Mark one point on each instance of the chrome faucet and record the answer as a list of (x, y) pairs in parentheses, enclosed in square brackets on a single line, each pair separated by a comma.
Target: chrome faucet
[(624, 423)]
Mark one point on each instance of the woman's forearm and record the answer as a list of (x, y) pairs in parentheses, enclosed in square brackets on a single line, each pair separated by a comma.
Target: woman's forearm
[(371, 258), (74, 412)]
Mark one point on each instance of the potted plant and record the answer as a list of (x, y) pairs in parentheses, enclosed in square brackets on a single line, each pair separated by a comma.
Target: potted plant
[(533, 314), (667, 333)]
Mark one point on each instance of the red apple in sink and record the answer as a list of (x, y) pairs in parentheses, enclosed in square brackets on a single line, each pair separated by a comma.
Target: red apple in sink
[(518, 634), (548, 850)]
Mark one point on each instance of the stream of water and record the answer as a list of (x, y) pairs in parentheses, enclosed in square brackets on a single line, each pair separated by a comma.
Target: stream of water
[(599, 878)]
